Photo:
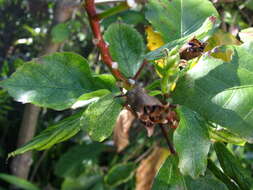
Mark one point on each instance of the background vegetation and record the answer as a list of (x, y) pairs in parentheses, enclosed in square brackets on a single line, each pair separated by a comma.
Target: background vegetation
[(128, 159)]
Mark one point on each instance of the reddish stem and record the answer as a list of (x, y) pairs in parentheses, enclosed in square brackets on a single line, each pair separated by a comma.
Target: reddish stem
[(140, 70), (99, 41)]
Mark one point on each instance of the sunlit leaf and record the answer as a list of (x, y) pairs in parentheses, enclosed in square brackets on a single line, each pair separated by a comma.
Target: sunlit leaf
[(126, 47), (221, 92), (246, 35), (53, 81), (90, 97), (221, 38), (223, 135), (100, 117), (203, 33), (164, 14), (192, 143), (54, 134)]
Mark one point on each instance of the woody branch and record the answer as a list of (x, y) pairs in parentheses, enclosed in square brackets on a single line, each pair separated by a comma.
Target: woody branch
[(100, 43)]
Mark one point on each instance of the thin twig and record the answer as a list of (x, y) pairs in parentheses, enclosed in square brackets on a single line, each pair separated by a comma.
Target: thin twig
[(164, 132), (100, 43), (38, 163), (140, 70), (142, 156)]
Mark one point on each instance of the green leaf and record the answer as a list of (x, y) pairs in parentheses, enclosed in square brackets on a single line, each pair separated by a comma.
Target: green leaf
[(246, 35), (203, 33), (129, 17), (99, 118), (60, 32), (19, 182), (249, 4), (232, 167), (169, 176), (223, 135), (105, 81), (54, 81), (54, 134), (126, 47), (119, 174), (76, 157), (83, 182), (163, 15), (208, 182), (88, 98), (221, 176), (221, 92), (192, 143)]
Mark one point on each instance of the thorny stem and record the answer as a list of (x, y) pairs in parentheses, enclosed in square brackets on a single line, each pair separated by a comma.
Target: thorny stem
[(99, 41), (164, 132)]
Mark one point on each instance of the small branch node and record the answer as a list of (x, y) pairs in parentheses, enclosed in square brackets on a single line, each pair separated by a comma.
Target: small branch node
[(115, 65), (132, 3), (131, 81), (95, 41)]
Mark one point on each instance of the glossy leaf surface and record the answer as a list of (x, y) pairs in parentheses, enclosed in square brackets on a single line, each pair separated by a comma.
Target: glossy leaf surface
[(126, 47), (202, 33), (100, 117), (164, 14), (53, 81), (221, 91), (192, 143), (54, 134)]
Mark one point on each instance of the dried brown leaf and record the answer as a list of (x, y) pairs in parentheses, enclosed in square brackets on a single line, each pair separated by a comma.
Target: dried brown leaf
[(148, 168), (121, 129)]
